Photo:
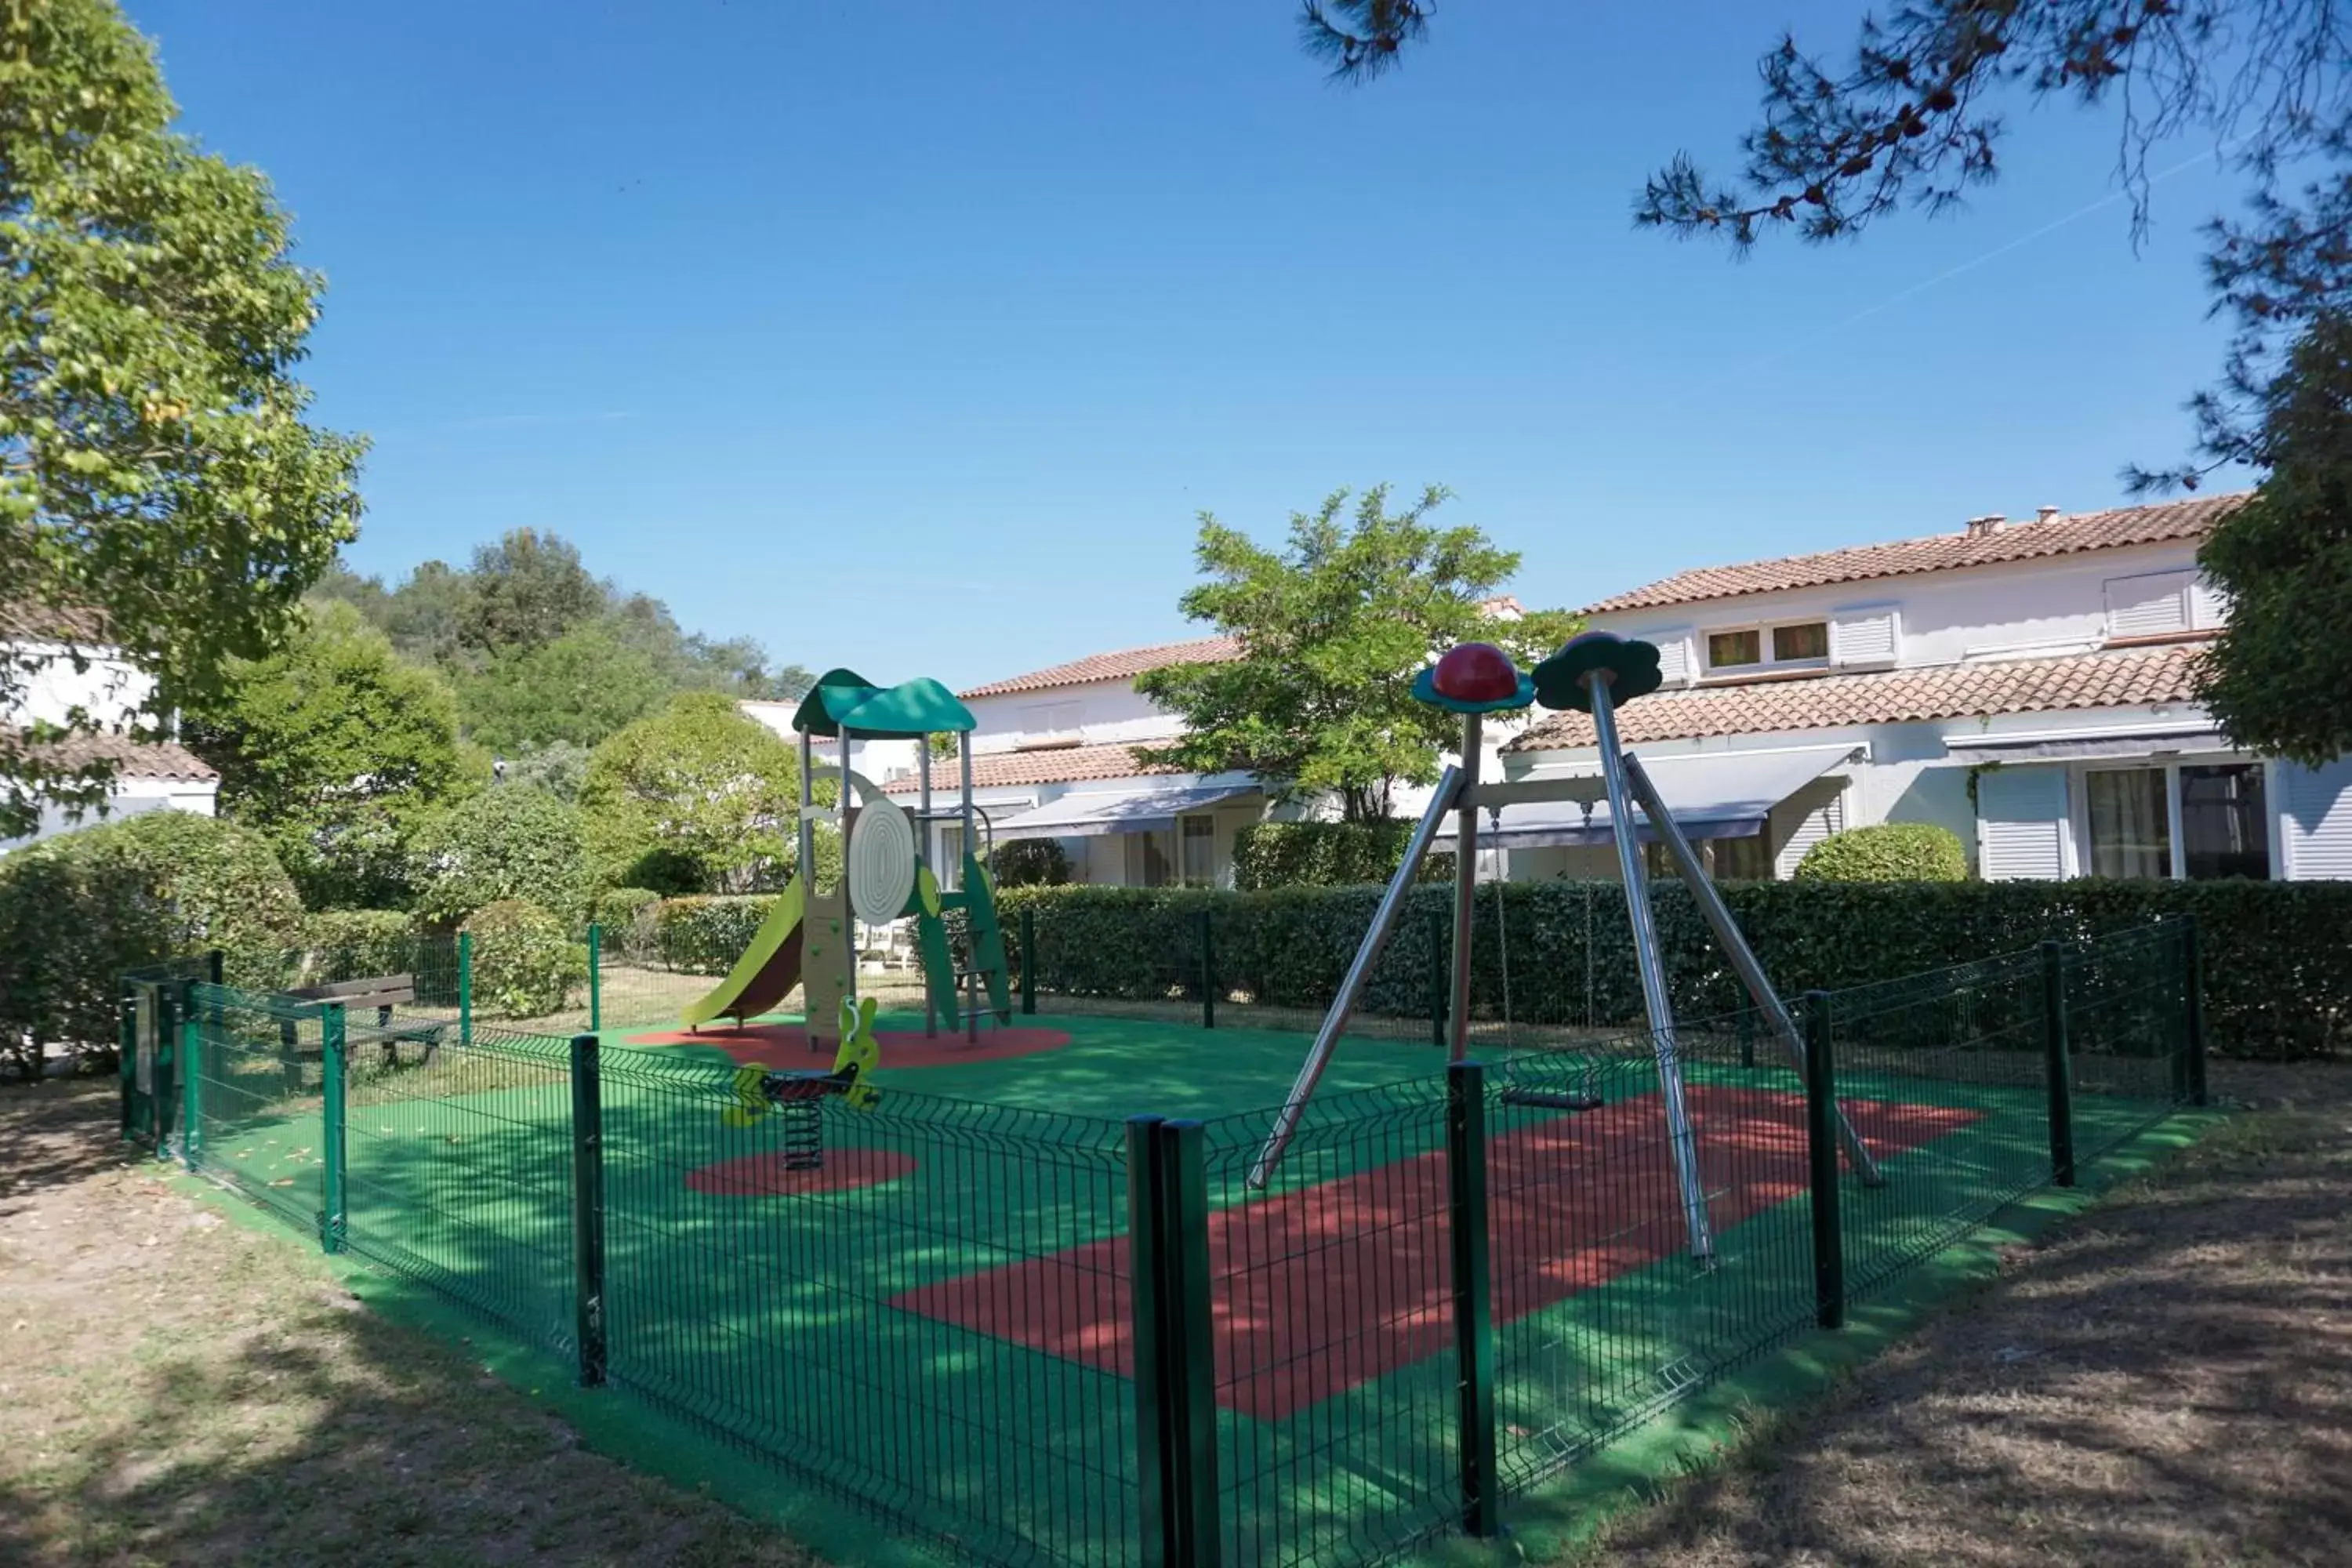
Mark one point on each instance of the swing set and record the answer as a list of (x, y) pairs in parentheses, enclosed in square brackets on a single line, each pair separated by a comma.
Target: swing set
[(1594, 673)]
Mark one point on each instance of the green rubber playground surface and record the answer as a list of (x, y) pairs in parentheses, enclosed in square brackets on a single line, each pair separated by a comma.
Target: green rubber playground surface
[(934, 1321)]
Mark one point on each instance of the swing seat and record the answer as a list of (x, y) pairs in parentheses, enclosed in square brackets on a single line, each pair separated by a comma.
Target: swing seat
[(1553, 1099)]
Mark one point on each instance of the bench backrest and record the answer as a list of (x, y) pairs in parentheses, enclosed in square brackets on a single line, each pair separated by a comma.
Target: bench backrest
[(375, 991)]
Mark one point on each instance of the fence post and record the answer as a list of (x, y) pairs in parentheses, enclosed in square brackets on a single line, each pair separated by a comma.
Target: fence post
[(126, 1051), (1208, 970), (2192, 961), (192, 1077), (1028, 961), (1175, 1393), (1441, 979), (1821, 1151), (465, 988), (333, 1217), (2061, 1075), (163, 1094), (595, 975), (1474, 1318), (588, 1208)]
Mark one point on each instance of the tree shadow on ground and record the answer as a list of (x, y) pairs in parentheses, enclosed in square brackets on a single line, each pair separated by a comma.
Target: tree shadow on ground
[(2167, 1380)]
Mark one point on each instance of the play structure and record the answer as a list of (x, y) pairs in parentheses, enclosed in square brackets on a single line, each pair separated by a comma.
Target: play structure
[(810, 937), (1594, 673)]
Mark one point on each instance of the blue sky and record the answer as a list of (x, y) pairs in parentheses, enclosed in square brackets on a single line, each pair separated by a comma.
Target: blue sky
[(913, 336)]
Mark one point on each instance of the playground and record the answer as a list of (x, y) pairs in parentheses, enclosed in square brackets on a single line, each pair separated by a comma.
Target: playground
[(1045, 1286)]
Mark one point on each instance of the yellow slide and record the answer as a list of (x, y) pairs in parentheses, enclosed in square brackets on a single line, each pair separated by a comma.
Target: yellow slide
[(766, 973)]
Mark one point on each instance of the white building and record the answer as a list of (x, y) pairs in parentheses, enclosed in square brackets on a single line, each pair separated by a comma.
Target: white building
[(2028, 686), (62, 666)]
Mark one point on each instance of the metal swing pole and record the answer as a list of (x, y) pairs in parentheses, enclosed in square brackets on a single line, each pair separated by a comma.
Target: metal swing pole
[(931, 858), (1743, 957), (1327, 1038), (1652, 964), (1465, 892)]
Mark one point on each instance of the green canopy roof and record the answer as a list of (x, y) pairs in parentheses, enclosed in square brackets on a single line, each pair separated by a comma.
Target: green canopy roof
[(844, 699)]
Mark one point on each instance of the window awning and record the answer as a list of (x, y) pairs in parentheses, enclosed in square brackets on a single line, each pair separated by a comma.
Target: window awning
[(2115, 743), (1719, 796), (1117, 811)]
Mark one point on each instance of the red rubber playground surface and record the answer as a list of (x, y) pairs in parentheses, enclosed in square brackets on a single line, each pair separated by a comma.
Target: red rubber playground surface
[(1367, 1255)]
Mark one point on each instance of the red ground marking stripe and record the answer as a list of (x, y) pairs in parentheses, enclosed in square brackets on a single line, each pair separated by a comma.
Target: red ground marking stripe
[(1325, 1288), (785, 1045), (762, 1175)]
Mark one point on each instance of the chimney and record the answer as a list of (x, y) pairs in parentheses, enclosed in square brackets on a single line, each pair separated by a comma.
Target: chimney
[(1985, 526), (2044, 513)]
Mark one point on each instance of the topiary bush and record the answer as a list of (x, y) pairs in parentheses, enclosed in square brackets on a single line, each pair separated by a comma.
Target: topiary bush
[(707, 935), (1325, 855), (511, 842), (1888, 852), (78, 910), (1029, 863), (526, 965)]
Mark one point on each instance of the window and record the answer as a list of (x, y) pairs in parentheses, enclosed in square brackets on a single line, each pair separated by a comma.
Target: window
[(1049, 723), (2131, 834), (2224, 829), (2198, 821), (1798, 643), (1199, 851), (1726, 859), (1808, 639), (1730, 650)]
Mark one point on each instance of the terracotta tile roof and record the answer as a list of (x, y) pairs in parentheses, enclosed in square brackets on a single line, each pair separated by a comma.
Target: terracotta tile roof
[(24, 621), (2016, 541), (1889, 697), (1057, 765), (1124, 664), (164, 760)]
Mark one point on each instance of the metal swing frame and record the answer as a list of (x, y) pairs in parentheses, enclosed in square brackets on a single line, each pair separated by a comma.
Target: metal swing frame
[(1626, 783)]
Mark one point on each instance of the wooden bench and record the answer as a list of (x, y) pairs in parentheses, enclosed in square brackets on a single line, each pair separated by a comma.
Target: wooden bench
[(382, 991)]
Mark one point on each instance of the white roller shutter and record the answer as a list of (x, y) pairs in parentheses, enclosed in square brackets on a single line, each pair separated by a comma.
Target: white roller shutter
[(1864, 634), (1812, 828), (2022, 824), (1675, 661), (2315, 821), (2148, 606)]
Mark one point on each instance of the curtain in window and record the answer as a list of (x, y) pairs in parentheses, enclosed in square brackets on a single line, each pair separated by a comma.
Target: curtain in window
[(2130, 836), (2224, 830)]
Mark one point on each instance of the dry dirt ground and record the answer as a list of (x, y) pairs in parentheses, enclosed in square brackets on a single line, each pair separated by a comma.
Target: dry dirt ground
[(2166, 1380)]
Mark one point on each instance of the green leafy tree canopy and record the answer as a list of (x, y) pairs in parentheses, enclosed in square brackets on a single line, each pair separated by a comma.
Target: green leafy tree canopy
[(511, 842), (696, 798), (156, 474), (1332, 629), (337, 750)]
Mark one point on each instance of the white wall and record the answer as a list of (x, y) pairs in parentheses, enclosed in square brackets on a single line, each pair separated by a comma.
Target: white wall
[(129, 797), (1097, 713), (108, 689), (2021, 609)]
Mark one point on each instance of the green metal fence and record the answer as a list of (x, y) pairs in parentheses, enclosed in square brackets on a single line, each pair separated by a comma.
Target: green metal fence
[(1045, 1338)]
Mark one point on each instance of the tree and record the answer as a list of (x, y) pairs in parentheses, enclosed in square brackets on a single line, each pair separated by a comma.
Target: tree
[(696, 798), (578, 689), (525, 591), (160, 491), (1331, 630), (337, 750), (2280, 676), (1912, 118)]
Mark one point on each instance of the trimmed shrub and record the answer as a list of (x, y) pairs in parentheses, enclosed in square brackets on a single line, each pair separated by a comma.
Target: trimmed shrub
[(707, 935), (1888, 852), (627, 915), (1325, 855), (1029, 863), (525, 963), (2278, 970), (507, 843), (351, 945), (78, 910)]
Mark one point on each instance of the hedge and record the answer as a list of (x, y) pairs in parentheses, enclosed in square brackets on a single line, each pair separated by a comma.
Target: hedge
[(511, 842), (706, 935), (1888, 852), (78, 910), (525, 962), (2278, 969), (351, 945), (1269, 855), (627, 915)]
